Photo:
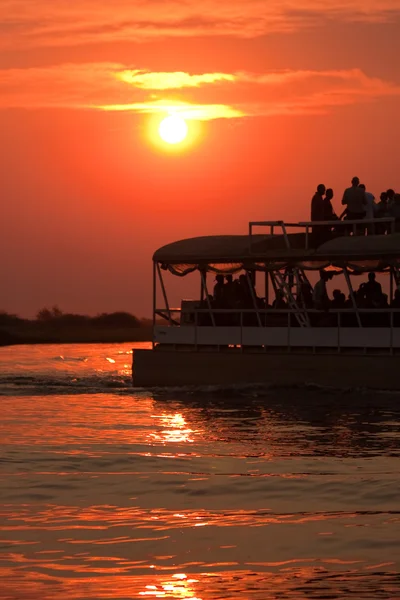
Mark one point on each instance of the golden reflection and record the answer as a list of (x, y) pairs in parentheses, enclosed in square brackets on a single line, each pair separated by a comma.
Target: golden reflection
[(175, 430), (179, 586)]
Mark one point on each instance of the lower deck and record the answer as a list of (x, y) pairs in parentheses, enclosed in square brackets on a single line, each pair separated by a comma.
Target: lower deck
[(337, 338), (158, 368)]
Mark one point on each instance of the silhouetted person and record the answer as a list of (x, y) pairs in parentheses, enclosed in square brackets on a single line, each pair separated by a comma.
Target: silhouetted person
[(229, 300), (279, 301), (339, 299), (244, 292), (396, 304), (390, 196), (370, 207), (229, 292), (371, 292), (219, 292), (394, 211), (382, 210), (329, 213), (355, 201), (317, 214), (320, 294), (306, 295)]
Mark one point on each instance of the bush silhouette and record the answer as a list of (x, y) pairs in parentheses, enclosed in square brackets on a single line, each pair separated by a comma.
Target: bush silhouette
[(116, 319)]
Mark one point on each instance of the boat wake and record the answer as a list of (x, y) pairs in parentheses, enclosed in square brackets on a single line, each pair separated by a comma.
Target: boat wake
[(41, 385), (100, 383)]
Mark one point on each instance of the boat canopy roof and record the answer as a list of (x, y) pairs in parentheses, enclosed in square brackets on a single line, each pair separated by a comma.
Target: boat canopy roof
[(230, 253)]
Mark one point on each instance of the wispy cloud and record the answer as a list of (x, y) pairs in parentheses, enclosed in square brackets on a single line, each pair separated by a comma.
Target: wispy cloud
[(28, 23), (189, 111), (204, 96), (168, 81)]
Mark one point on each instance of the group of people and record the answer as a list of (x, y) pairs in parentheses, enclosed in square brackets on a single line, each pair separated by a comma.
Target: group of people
[(368, 295), (359, 205), (233, 293), (230, 294)]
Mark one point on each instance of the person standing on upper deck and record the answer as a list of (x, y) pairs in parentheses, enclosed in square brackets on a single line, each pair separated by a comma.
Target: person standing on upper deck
[(355, 201), (317, 204), (318, 214), (370, 205), (370, 208), (329, 213)]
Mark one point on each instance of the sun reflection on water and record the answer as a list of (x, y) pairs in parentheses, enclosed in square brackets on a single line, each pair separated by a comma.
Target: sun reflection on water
[(179, 586), (176, 430)]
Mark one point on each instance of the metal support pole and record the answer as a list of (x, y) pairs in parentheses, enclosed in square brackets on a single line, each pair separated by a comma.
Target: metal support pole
[(204, 280), (164, 293), (266, 291), (391, 285), (250, 237), (298, 283), (346, 274), (285, 235), (273, 281), (154, 303), (391, 331)]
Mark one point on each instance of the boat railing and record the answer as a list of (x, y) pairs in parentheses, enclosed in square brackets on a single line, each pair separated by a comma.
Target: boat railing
[(338, 328), (174, 315), (306, 227), (162, 312)]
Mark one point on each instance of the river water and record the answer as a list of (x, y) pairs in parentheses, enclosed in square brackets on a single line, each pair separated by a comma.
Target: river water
[(108, 492)]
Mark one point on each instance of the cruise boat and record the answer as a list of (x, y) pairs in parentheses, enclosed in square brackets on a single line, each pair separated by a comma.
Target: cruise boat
[(277, 337)]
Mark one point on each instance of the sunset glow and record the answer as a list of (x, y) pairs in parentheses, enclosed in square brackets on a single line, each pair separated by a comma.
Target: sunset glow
[(173, 129), (268, 97)]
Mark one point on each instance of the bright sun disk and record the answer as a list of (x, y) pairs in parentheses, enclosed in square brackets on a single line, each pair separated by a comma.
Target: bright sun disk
[(173, 129)]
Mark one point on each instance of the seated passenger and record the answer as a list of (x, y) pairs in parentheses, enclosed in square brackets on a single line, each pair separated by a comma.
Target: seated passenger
[(320, 294), (219, 292), (229, 292), (396, 304), (396, 300), (371, 292), (279, 301), (306, 295), (339, 299), (243, 292)]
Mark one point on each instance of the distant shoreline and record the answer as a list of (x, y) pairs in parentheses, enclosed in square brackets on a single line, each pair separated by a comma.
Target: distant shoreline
[(19, 335)]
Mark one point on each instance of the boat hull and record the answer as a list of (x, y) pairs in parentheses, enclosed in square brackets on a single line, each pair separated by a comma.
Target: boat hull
[(163, 368)]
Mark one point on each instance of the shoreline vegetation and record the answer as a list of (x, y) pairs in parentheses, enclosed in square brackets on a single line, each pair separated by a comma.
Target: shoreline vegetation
[(53, 326)]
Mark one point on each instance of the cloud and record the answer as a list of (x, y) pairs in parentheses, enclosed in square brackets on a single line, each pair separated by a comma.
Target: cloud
[(191, 112), (169, 81), (63, 23), (204, 96)]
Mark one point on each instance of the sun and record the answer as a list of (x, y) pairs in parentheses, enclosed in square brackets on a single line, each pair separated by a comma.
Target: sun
[(173, 129)]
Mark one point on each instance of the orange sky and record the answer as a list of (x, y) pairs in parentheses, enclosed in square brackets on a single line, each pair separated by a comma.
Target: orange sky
[(281, 96)]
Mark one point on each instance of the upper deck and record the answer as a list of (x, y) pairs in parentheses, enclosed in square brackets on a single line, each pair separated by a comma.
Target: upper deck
[(277, 309), (284, 245)]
